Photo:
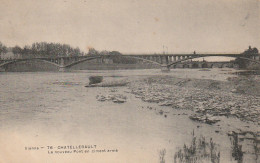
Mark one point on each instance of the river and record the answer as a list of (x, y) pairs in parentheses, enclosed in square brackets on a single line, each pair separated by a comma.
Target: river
[(42, 109)]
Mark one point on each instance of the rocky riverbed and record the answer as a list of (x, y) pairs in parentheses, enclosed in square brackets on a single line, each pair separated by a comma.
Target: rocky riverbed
[(210, 102), (209, 99), (237, 97)]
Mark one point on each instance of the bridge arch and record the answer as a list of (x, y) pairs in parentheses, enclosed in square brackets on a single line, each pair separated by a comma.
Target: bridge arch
[(154, 59), (95, 57), (203, 56), (181, 60), (80, 61), (29, 59), (139, 58)]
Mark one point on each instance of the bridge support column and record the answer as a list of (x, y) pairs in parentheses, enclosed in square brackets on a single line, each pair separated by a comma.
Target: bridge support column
[(157, 59), (165, 68), (164, 60), (63, 69)]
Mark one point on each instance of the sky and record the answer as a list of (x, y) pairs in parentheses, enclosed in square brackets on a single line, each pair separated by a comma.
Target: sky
[(134, 26)]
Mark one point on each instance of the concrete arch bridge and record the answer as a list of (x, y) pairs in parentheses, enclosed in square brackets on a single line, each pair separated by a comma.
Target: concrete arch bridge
[(164, 60)]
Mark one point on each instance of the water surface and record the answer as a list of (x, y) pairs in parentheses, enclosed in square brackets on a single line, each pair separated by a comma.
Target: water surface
[(52, 109)]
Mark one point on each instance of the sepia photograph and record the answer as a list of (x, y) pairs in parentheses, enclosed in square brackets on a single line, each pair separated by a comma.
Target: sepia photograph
[(129, 81)]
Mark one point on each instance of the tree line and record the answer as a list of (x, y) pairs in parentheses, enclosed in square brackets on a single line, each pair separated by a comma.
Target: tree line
[(3, 48), (44, 49), (113, 55), (248, 52)]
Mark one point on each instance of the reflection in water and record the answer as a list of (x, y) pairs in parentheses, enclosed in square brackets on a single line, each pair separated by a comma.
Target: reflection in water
[(199, 151)]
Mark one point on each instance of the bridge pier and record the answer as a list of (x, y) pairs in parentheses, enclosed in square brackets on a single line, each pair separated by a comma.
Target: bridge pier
[(164, 60), (63, 69), (165, 68)]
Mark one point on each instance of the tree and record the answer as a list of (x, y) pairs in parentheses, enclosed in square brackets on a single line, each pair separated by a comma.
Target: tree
[(251, 51), (115, 53), (255, 50), (242, 63), (3, 49), (26, 51), (93, 51), (118, 58), (17, 50), (104, 52), (44, 49)]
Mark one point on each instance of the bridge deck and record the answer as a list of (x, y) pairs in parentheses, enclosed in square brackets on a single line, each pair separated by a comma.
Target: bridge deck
[(142, 55)]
